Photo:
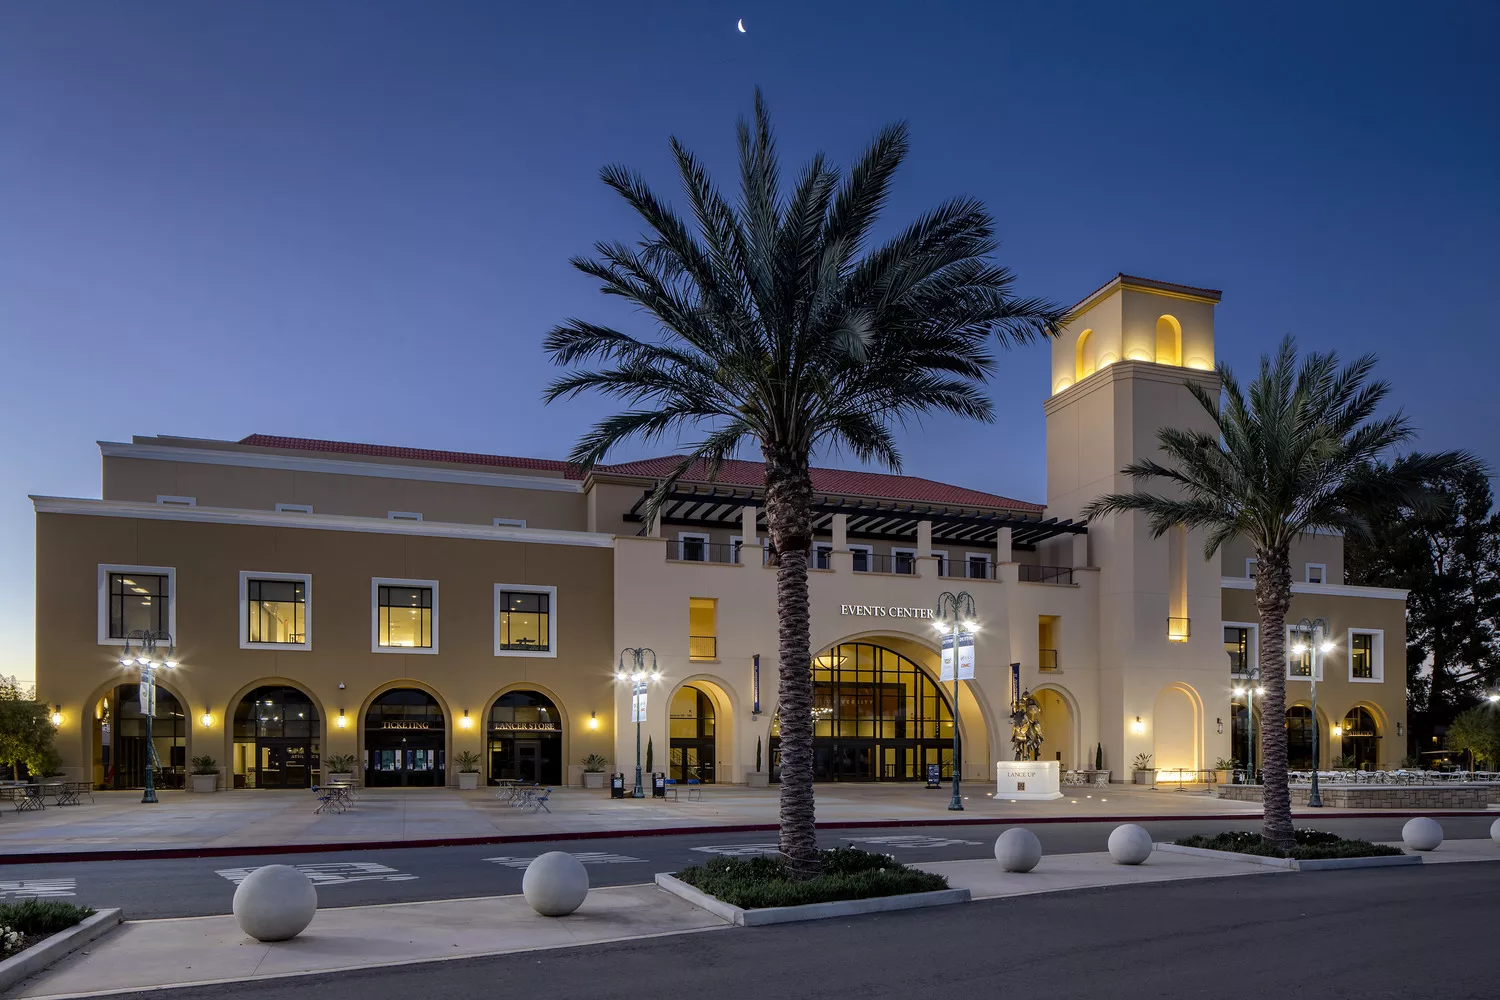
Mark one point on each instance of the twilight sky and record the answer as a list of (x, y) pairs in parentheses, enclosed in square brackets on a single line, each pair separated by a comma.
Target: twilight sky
[(352, 219)]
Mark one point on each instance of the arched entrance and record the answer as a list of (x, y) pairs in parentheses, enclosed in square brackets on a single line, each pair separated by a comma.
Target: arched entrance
[(1361, 737), (405, 740), (876, 717), (1245, 735), (1059, 739), (277, 737), (1178, 735), (1299, 738), (120, 747), (692, 722), (525, 739)]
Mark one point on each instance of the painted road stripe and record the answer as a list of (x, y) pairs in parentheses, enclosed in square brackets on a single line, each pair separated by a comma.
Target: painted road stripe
[(332, 873), (37, 888), (914, 841), (587, 857), (740, 850)]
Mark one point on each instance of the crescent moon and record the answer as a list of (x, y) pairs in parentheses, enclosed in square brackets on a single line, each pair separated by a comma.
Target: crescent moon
[(741, 25)]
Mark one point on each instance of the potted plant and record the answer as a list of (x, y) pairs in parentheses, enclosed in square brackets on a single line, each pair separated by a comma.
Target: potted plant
[(1143, 773), (1224, 770), (468, 770), (205, 774), (758, 778), (339, 767), (593, 770)]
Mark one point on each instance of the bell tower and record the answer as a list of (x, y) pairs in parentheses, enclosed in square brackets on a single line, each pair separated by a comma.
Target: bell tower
[(1119, 374)]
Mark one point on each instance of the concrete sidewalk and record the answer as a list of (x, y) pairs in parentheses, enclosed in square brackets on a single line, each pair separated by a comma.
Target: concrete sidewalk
[(117, 822), (1062, 872)]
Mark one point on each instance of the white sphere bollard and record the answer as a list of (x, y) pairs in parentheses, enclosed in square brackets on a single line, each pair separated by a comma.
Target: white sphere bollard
[(1495, 831), (275, 903), (1422, 834), (1129, 844), (555, 884), (1018, 850)]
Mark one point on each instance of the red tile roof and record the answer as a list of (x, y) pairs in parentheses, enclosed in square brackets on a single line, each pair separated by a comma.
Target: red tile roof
[(838, 482)]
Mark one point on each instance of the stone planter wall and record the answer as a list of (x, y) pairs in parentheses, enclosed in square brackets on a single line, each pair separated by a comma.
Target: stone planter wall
[(1460, 796)]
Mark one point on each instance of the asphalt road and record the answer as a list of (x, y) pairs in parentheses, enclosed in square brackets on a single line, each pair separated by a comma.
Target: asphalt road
[(199, 886), (1394, 932)]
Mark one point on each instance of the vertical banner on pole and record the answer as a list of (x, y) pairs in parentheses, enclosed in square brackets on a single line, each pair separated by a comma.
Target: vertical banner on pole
[(148, 698), (638, 702), (965, 669), (1015, 683), (945, 673), (756, 709)]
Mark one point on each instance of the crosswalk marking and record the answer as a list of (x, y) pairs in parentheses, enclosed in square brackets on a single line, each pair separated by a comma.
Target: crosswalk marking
[(37, 888), (914, 841), (587, 857), (740, 850), (331, 873)]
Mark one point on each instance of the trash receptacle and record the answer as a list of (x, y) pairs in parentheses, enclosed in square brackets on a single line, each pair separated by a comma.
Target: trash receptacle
[(658, 785), (617, 785)]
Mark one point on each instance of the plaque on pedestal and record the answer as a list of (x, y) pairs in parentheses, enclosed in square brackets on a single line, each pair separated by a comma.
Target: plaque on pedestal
[(1028, 779)]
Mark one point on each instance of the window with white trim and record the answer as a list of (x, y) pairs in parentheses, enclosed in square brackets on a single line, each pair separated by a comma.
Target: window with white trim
[(525, 620), (404, 515), (1250, 568), (136, 599), (692, 546), (977, 565), (508, 522), (1241, 647), (275, 610), (1366, 655), (171, 501), (403, 615), (294, 508), (904, 561), (861, 556), (941, 555), (822, 555), (1299, 666), (1316, 573)]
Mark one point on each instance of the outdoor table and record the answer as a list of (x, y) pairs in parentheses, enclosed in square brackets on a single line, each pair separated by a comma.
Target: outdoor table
[(30, 798), (64, 793)]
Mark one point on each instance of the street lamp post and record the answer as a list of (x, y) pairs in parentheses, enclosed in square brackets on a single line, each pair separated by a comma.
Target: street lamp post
[(149, 663), (638, 677), (1318, 628), (960, 607)]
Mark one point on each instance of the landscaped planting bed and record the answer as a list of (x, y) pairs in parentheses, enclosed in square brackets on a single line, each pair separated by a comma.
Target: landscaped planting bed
[(29, 921), (1312, 845), (848, 873)]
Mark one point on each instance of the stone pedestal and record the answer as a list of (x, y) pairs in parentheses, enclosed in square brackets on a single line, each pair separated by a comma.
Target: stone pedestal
[(1028, 779)]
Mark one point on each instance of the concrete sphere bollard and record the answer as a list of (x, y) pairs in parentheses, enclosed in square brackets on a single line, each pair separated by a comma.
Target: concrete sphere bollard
[(1018, 850), (555, 884), (275, 903), (1129, 844), (1422, 834), (1495, 831)]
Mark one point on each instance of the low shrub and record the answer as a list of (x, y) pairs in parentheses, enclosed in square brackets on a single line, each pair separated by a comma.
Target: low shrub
[(24, 923), (1312, 845), (848, 873)]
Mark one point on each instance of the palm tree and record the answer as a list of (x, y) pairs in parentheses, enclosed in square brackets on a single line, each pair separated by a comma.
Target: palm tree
[(779, 326), (1297, 454)]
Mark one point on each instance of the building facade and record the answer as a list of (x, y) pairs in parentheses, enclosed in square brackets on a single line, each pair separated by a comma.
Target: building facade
[(410, 608)]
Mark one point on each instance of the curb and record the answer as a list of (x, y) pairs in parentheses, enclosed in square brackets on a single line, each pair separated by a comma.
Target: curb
[(47, 951), (253, 850), (1283, 864), (811, 911), (1292, 864)]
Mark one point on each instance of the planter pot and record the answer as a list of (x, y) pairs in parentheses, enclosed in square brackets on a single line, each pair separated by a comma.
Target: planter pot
[(1144, 777), (339, 777), (205, 782), (757, 779), (468, 780), (1223, 777), (593, 779)]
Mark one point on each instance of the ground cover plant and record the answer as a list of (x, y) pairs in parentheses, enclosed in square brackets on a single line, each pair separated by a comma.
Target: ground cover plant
[(845, 873), (24, 923), (1310, 845)]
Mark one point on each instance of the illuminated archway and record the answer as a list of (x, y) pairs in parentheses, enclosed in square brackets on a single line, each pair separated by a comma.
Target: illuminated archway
[(1083, 356), (1168, 341)]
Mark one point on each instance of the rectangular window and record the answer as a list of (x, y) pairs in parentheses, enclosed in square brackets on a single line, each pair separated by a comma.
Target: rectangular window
[(403, 515), (524, 620), (1300, 665), (1366, 655), (942, 557), (1048, 636), (1316, 572), (1250, 568), (1237, 647), (294, 508), (139, 602), (978, 565), (822, 551), (405, 619), (275, 610), (904, 561), (862, 560), (692, 547), (703, 628)]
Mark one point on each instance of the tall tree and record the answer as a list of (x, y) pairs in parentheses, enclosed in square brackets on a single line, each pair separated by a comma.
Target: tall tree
[(779, 326), (1298, 452), (26, 732), (1448, 559)]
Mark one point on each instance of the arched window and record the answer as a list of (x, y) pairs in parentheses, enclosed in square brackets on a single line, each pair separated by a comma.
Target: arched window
[(1299, 738), (405, 740), (276, 739), (1168, 341), (1361, 738), (1083, 356), (525, 739)]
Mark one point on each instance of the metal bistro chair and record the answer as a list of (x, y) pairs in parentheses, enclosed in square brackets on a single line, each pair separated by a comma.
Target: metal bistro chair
[(538, 802), (695, 789), (328, 798)]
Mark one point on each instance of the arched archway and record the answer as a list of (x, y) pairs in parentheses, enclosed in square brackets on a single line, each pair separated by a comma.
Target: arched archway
[(405, 739), (1168, 341), (524, 738), (877, 716), (1059, 726), (119, 736), (277, 733), (1299, 738), (1083, 356), (1360, 735), (1178, 729)]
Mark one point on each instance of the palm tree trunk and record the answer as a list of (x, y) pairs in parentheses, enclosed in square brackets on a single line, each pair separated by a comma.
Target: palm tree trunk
[(1273, 596), (788, 516)]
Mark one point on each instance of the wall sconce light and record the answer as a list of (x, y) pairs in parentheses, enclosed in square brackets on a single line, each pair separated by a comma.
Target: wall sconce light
[(1399, 728), (1338, 730), (1138, 726), (593, 720), (1221, 724), (57, 715), (342, 721), (207, 719), (466, 722)]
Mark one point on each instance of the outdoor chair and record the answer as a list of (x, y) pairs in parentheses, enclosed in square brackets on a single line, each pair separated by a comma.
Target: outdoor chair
[(671, 786), (328, 798), (539, 802), (695, 788)]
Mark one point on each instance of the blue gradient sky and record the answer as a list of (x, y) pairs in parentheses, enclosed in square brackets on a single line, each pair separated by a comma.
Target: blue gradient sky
[(352, 220)]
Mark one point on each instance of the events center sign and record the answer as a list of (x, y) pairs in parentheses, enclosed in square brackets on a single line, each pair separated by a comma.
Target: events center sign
[(882, 611)]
